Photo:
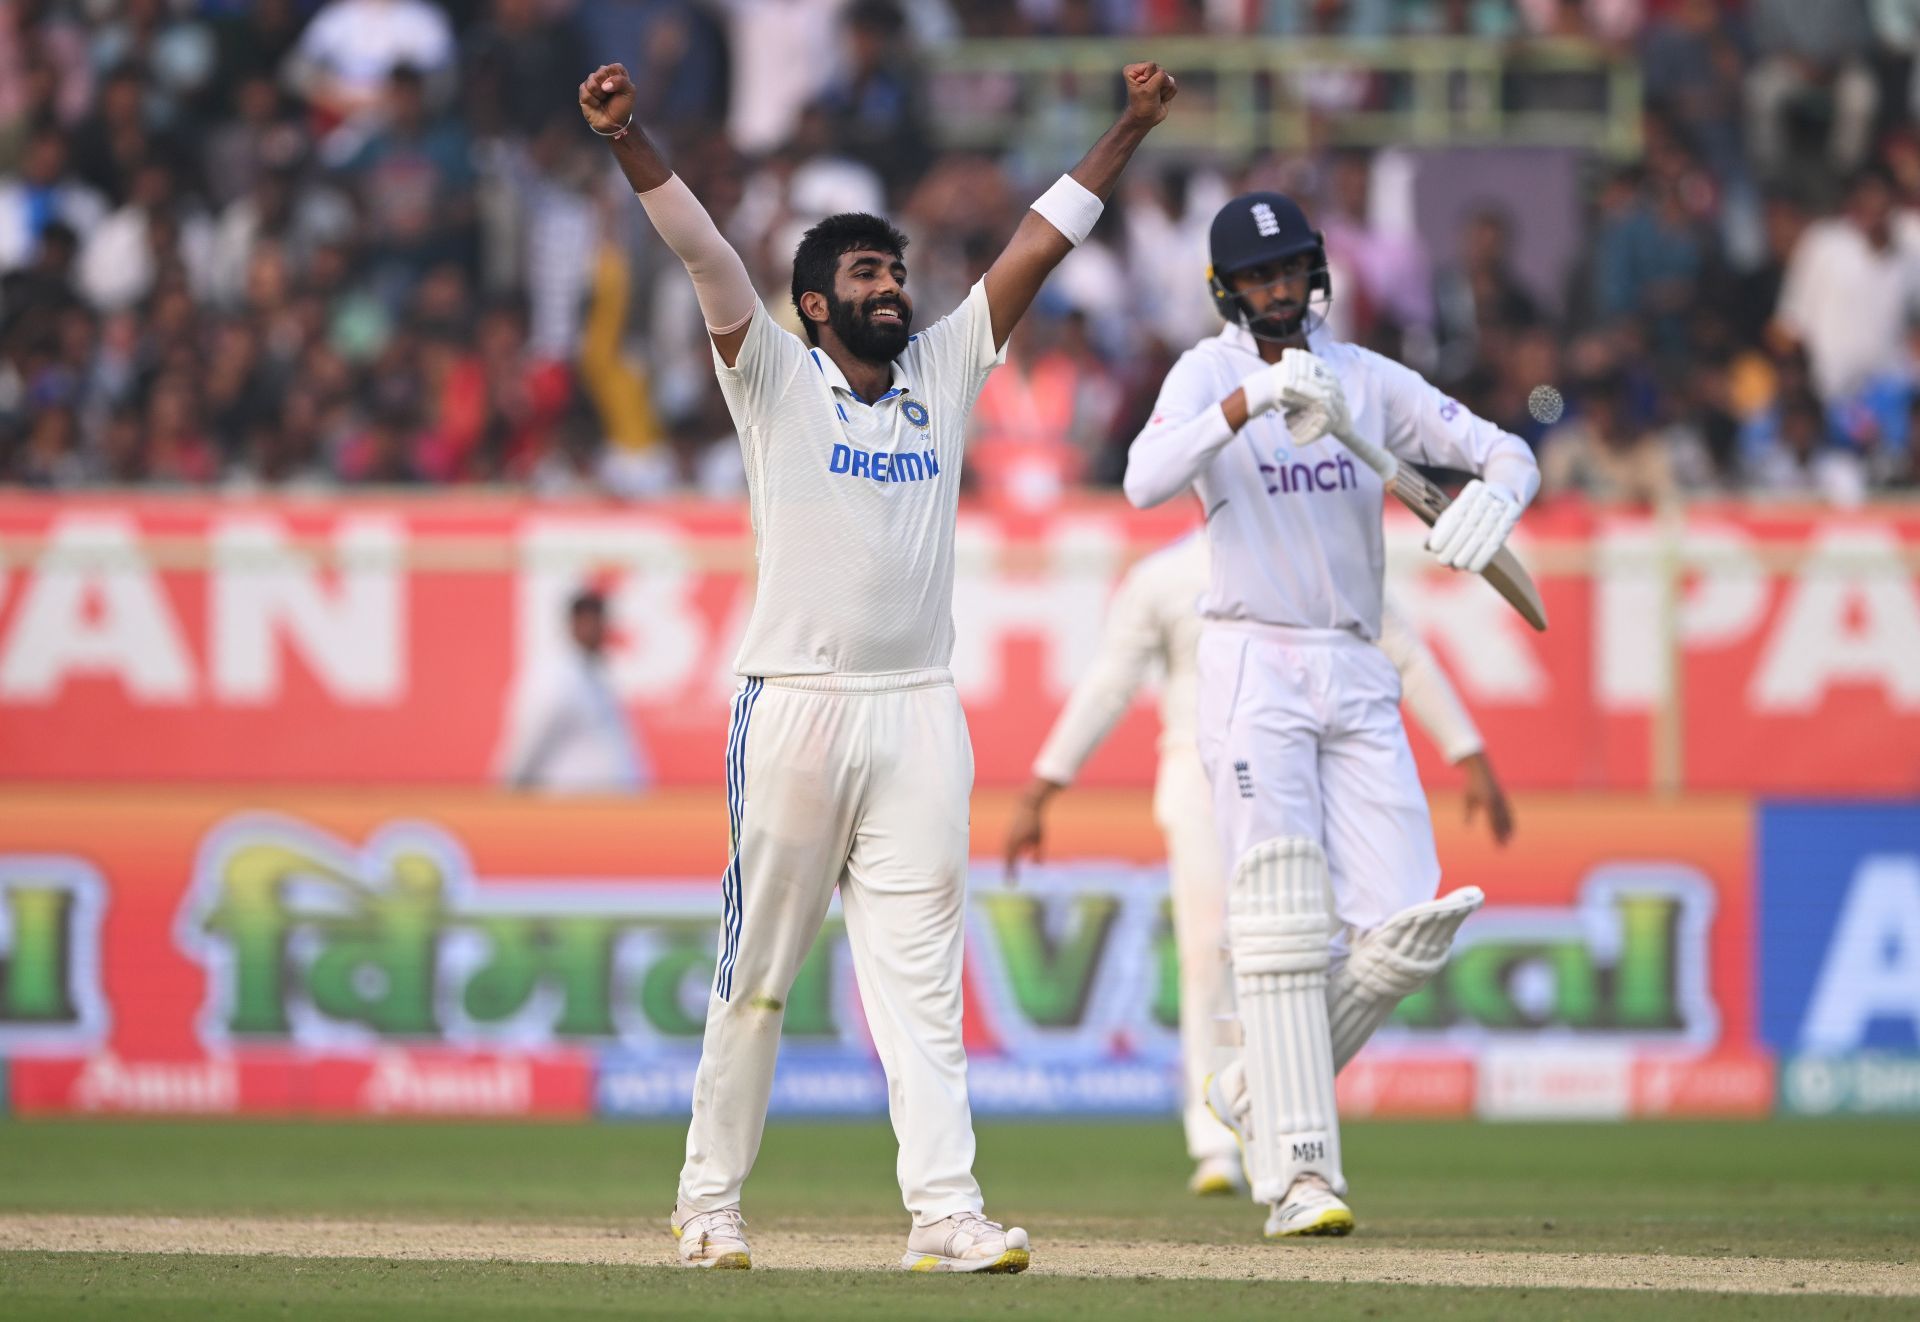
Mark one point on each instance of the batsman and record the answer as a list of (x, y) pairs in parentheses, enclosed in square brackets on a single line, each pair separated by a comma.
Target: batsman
[(1331, 915)]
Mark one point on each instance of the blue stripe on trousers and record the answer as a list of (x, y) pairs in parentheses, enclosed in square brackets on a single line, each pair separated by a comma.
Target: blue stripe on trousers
[(732, 909)]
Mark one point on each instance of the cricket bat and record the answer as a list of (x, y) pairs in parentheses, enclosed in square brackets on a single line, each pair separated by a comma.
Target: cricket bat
[(1508, 576)]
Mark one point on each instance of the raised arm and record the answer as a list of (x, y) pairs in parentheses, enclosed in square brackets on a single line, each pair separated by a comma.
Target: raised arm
[(1062, 216), (720, 278)]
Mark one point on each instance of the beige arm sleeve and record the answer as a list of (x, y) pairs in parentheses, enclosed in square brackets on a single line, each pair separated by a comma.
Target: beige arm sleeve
[(720, 279)]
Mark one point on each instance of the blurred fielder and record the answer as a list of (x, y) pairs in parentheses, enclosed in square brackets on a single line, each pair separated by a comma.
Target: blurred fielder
[(1331, 918), (848, 762), (1153, 623)]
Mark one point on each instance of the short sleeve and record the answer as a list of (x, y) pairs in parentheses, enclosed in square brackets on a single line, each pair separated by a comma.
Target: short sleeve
[(959, 349), (768, 358)]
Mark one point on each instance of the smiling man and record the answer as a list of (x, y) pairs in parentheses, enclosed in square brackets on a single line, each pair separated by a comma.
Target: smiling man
[(848, 762)]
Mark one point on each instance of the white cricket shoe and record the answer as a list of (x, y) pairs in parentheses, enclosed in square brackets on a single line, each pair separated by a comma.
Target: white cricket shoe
[(966, 1242), (1218, 1174), (712, 1239), (1310, 1208)]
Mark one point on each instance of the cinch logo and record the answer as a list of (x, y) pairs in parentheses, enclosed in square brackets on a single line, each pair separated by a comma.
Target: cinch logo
[(908, 467), (1337, 474), (1264, 218)]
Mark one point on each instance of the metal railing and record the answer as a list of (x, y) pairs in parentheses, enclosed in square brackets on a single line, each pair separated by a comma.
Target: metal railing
[(1257, 94)]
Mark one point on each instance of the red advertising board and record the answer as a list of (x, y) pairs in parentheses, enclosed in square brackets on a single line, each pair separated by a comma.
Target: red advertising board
[(411, 953), (154, 640)]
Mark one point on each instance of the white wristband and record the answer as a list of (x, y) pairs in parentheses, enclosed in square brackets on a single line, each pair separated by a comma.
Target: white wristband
[(1070, 208), (1262, 390)]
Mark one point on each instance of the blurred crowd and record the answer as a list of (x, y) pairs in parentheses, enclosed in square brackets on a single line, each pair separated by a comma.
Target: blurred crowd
[(255, 244)]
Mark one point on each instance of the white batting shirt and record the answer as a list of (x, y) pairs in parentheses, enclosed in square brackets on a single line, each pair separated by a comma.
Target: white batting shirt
[(1154, 623), (854, 501), (1295, 532)]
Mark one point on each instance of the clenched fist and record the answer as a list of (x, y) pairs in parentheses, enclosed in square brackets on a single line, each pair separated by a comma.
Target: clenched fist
[(1149, 89), (606, 99)]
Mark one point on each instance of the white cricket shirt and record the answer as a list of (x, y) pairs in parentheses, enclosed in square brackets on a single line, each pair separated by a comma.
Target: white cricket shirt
[(853, 501), (1154, 622), (1295, 532)]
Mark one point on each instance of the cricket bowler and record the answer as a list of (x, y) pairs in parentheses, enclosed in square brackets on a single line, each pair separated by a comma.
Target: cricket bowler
[(1331, 915), (847, 760), (1153, 623)]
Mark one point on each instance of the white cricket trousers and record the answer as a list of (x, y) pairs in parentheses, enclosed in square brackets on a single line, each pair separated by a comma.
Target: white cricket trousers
[(860, 782), (1183, 806), (1301, 735)]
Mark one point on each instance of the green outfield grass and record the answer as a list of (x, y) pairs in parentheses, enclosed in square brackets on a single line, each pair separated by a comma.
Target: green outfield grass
[(154, 1288), (1809, 1190)]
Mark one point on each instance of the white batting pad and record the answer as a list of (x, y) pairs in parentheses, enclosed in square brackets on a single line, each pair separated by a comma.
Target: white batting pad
[(1390, 963), (1278, 928)]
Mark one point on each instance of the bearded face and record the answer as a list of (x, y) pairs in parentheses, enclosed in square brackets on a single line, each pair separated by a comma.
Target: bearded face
[(875, 327)]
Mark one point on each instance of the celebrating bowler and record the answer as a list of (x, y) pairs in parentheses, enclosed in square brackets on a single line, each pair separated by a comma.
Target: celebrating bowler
[(848, 762)]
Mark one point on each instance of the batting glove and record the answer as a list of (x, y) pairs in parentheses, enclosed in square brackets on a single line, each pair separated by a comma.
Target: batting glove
[(1472, 530), (1308, 386)]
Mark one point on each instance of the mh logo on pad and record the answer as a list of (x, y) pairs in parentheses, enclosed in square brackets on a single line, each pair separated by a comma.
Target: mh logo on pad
[(1263, 217)]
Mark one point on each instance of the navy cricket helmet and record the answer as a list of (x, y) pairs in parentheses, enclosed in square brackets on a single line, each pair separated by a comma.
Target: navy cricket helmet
[(1265, 227)]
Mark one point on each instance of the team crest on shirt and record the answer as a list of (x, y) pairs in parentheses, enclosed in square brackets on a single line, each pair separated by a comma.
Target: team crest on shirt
[(915, 412)]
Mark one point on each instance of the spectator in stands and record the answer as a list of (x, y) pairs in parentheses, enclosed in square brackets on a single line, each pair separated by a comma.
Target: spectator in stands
[(1649, 257), (44, 191), (1850, 287), (873, 109), (1042, 417), (1388, 290), (179, 449), (1615, 22), (1480, 293), (784, 54), (414, 179), (347, 56), (154, 231), (1788, 454), (205, 278), (254, 42), (1329, 18), (1810, 93), (678, 53), (511, 62), (1751, 296), (1598, 453), (258, 136)]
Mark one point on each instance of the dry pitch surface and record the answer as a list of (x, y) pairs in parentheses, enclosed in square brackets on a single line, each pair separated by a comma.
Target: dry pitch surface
[(613, 1245)]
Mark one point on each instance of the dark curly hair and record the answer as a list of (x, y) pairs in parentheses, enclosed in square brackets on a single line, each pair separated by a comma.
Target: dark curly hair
[(821, 248)]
